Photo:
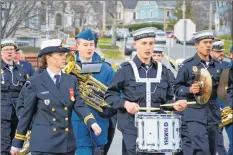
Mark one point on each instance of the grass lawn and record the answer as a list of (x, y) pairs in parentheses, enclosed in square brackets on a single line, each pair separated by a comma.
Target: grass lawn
[(112, 54), (105, 40), (109, 52), (227, 42), (115, 66), (104, 46)]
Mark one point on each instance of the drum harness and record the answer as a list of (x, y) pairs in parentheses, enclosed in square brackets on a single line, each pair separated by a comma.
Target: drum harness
[(148, 82)]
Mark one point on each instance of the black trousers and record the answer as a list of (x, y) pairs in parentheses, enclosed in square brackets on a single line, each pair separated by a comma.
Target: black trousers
[(220, 143), (8, 128), (111, 132), (203, 139), (45, 153)]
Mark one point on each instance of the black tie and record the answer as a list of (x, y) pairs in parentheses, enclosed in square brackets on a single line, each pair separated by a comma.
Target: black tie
[(57, 80)]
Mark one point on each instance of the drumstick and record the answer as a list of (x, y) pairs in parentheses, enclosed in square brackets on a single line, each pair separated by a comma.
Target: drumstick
[(145, 108), (172, 104)]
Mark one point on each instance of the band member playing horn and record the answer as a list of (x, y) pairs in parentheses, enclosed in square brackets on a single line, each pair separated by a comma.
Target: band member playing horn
[(217, 53), (229, 127), (201, 120), (87, 142), (51, 96), (158, 56), (127, 95)]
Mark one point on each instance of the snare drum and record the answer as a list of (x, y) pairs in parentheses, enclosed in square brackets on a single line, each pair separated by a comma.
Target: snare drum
[(158, 133)]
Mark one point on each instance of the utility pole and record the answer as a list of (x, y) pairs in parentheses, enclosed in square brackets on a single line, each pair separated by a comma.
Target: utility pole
[(184, 42), (232, 22), (47, 22), (104, 16), (164, 18), (1, 3), (210, 15)]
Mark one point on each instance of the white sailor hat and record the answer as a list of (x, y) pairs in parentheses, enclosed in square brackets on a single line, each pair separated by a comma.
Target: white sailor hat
[(8, 42), (50, 46), (218, 46), (158, 49), (148, 32), (205, 34)]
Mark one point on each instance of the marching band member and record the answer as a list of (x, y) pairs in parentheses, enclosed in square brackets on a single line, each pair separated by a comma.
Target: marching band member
[(158, 56), (13, 77), (19, 59), (126, 95), (217, 53), (201, 120), (229, 128), (87, 142), (51, 96)]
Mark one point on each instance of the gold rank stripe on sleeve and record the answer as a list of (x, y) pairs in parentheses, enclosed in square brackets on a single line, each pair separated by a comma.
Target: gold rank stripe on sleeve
[(20, 136), (88, 117)]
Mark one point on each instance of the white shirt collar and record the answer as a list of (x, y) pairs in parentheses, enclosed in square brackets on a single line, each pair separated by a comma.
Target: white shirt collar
[(83, 60), (51, 74)]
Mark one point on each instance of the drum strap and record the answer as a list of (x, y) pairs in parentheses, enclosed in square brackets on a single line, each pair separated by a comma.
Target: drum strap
[(148, 81)]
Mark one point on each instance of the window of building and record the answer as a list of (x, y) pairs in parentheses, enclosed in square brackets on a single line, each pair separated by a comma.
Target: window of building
[(43, 18), (151, 13), (58, 19), (142, 14), (27, 22), (137, 15), (168, 13), (119, 15), (134, 15)]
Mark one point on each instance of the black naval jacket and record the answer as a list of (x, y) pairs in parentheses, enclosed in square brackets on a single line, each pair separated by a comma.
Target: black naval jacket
[(49, 109), (124, 88), (230, 87), (185, 79), (10, 91)]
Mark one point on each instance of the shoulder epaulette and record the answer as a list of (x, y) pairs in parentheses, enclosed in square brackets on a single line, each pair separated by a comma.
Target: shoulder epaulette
[(188, 60), (107, 63)]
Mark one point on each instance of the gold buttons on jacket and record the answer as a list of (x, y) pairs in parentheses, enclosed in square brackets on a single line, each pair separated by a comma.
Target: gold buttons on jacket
[(67, 129), (53, 109), (54, 129), (66, 118), (65, 108), (54, 119)]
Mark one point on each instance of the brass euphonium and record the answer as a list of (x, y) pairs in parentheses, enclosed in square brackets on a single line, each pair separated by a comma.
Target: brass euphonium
[(92, 91)]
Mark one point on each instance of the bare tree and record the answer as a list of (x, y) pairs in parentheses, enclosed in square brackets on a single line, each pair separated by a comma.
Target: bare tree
[(81, 10), (225, 13), (200, 15), (14, 14), (111, 9)]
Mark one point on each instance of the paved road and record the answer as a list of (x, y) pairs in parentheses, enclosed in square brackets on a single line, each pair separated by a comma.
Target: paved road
[(176, 53)]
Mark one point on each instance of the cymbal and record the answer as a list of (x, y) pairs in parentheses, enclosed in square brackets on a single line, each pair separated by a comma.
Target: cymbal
[(203, 78), (222, 87)]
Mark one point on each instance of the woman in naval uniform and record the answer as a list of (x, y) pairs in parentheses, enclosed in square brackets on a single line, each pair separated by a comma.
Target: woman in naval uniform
[(50, 98)]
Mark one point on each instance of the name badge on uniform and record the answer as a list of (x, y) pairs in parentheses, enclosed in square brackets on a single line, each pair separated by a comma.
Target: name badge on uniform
[(71, 90), (3, 81), (46, 102), (195, 69), (44, 92)]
